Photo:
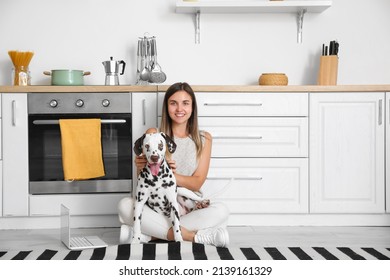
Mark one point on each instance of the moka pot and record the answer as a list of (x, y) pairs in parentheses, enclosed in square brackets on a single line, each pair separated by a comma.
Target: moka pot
[(112, 71)]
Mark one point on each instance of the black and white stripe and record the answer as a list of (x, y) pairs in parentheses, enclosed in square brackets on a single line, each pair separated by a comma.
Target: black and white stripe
[(193, 251)]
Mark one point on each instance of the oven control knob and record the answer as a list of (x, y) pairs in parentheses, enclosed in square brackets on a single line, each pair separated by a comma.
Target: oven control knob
[(79, 103), (106, 103), (53, 103)]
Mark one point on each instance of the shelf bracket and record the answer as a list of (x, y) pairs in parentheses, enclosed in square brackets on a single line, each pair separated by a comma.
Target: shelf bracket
[(197, 27), (301, 14)]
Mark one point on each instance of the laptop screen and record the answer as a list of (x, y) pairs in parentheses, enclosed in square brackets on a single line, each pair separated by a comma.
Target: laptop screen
[(65, 227)]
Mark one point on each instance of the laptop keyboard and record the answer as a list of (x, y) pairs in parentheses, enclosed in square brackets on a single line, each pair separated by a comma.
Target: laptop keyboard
[(80, 242)]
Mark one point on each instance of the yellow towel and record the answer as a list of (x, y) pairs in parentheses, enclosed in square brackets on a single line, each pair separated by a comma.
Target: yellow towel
[(81, 148)]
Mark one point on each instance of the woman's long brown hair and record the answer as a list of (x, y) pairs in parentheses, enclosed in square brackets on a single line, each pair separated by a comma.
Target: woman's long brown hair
[(192, 124)]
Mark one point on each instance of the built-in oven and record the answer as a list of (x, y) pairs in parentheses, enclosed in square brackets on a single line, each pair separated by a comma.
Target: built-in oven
[(45, 151)]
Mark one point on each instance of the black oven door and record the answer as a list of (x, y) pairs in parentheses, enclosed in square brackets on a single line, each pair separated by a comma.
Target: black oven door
[(45, 155)]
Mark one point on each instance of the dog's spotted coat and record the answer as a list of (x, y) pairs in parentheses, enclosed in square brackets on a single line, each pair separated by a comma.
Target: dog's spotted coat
[(156, 185)]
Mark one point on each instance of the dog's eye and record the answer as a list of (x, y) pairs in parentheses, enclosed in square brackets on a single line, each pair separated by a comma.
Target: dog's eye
[(160, 146), (147, 147)]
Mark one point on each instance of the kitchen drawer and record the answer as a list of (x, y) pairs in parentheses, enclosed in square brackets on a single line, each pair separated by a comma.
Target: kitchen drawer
[(257, 137), (250, 186), (249, 104)]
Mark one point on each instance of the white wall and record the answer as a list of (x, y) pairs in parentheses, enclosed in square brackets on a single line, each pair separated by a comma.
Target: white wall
[(235, 48)]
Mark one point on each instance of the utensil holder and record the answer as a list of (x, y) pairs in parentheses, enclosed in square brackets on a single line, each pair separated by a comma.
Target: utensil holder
[(327, 74)]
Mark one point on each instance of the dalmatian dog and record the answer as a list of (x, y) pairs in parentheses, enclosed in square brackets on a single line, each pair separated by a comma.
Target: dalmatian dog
[(156, 185)]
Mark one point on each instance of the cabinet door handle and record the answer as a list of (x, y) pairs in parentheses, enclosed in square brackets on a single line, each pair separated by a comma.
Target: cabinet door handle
[(144, 112), (13, 113), (236, 178), (233, 104), (380, 112)]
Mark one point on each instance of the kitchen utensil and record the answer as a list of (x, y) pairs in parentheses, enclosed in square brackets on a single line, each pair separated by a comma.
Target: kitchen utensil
[(333, 48), (63, 77), (139, 64), (145, 72), (273, 79), (156, 74), (112, 70)]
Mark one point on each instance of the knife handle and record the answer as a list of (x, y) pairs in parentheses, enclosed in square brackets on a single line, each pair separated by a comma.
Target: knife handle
[(331, 48)]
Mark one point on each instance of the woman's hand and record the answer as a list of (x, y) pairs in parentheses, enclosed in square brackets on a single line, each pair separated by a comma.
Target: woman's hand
[(140, 162), (172, 165)]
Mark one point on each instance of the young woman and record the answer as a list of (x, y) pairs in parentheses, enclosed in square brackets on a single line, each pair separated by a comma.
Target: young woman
[(190, 164)]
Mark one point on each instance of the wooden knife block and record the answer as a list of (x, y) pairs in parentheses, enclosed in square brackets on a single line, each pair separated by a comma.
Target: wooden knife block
[(327, 74)]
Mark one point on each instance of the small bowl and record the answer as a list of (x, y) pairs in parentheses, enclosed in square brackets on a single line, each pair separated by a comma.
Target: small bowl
[(273, 79)]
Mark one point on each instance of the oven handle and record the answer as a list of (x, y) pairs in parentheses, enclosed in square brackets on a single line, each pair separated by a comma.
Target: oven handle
[(45, 122)]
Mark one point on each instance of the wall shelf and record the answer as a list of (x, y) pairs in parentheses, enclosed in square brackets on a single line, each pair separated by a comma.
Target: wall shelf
[(250, 6)]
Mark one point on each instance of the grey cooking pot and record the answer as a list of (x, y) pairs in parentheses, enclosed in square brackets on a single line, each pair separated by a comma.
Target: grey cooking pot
[(67, 77)]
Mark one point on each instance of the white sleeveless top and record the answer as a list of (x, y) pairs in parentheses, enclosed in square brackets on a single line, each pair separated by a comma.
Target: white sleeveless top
[(185, 156), (186, 164)]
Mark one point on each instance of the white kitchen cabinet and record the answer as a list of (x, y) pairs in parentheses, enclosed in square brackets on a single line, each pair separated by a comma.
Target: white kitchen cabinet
[(387, 122), (1, 166), (249, 104), (260, 150), (98, 204), (1, 188), (1, 139), (15, 154), (259, 185), (144, 112), (347, 155), (257, 137), (144, 116)]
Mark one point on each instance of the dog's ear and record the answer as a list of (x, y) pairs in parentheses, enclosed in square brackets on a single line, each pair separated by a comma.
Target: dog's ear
[(170, 143), (138, 145)]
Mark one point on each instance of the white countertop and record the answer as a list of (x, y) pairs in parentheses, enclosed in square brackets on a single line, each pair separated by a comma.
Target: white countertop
[(197, 88)]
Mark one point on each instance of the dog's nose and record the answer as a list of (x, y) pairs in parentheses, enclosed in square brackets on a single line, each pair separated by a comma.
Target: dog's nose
[(154, 158)]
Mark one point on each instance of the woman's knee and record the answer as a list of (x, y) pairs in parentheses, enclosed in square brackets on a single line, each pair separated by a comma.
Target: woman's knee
[(125, 210)]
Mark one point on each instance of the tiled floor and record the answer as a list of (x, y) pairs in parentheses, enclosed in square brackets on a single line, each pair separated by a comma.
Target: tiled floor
[(239, 237)]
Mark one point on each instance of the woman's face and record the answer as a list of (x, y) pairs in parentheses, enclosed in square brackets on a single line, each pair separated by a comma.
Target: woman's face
[(180, 107)]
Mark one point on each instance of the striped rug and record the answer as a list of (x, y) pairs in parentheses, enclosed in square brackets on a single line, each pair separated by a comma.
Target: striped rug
[(193, 251)]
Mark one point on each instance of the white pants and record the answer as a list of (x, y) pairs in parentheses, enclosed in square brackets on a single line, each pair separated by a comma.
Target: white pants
[(157, 225)]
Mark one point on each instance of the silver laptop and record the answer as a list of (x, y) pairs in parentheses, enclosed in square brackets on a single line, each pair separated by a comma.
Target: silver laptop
[(76, 242)]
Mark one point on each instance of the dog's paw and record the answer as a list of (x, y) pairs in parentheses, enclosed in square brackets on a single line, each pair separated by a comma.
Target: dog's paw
[(202, 204), (178, 238)]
